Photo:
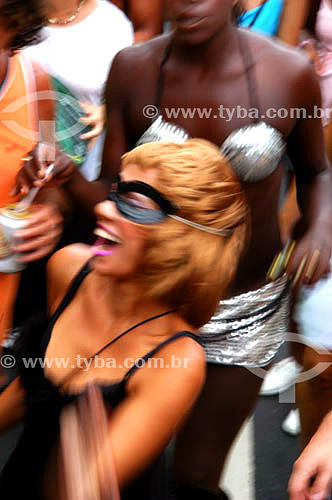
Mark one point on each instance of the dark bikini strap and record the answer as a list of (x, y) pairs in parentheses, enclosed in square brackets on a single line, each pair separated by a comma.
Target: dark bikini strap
[(129, 330), (70, 294), (72, 290), (139, 363), (249, 68), (160, 80), (78, 368)]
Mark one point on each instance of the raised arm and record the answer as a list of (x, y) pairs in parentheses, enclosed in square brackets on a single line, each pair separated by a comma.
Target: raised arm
[(293, 20), (117, 94), (306, 149), (146, 16), (154, 410), (87, 194), (122, 444)]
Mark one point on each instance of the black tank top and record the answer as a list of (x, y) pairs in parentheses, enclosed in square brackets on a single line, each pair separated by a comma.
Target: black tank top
[(44, 403)]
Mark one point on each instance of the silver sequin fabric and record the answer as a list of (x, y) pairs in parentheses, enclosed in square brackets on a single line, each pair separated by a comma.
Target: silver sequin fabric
[(160, 130), (248, 329), (254, 151)]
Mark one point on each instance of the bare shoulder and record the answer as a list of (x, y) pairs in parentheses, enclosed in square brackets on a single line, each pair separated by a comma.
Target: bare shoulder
[(178, 369), (67, 261), (143, 52), (191, 360), (285, 66), (138, 60), (61, 269), (274, 53)]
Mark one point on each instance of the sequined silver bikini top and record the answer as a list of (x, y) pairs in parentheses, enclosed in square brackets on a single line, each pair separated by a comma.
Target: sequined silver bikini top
[(254, 151)]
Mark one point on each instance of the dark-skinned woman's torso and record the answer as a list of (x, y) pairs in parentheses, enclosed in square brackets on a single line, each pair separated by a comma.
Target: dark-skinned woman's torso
[(207, 87)]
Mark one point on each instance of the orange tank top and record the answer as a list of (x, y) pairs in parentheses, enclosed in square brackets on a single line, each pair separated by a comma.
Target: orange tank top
[(18, 136)]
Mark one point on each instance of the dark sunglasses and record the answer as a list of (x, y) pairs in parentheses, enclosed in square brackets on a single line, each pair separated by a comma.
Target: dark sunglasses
[(135, 209)]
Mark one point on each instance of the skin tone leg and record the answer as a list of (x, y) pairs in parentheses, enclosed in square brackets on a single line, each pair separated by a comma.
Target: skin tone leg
[(229, 396), (146, 16), (314, 396), (328, 140), (293, 19)]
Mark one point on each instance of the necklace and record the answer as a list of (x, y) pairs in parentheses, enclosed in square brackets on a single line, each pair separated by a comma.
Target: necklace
[(54, 20)]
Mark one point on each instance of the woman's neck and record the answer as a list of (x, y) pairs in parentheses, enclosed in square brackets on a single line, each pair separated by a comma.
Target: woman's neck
[(121, 301), (210, 54), (62, 10)]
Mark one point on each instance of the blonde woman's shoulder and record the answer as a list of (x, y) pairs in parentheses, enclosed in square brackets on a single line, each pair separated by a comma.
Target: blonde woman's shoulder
[(62, 267)]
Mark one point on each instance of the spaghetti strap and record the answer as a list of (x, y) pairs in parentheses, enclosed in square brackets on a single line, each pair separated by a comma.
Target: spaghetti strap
[(249, 68), (72, 290), (147, 320), (70, 294), (139, 363), (160, 80)]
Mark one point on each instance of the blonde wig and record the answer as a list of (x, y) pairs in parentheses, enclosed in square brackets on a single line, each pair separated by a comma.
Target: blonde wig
[(188, 268)]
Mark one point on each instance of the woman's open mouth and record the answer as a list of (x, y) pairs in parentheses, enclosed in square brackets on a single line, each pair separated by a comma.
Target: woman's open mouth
[(106, 243)]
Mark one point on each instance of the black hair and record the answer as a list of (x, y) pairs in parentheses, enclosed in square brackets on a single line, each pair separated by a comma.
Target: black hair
[(25, 16)]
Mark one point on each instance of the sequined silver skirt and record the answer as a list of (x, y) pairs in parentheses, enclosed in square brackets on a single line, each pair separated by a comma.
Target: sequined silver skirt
[(248, 329)]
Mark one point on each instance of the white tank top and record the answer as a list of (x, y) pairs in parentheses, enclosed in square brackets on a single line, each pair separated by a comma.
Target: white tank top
[(80, 56)]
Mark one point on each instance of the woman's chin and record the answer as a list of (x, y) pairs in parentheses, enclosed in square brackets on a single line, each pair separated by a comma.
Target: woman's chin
[(110, 265)]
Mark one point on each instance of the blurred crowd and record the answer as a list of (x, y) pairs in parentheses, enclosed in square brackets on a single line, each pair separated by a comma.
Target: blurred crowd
[(138, 224)]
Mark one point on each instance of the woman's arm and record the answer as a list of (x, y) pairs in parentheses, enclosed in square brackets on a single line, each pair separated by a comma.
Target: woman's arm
[(87, 194), (11, 405), (44, 226), (293, 20), (314, 462), (159, 400), (289, 213), (306, 149), (146, 16), (118, 89)]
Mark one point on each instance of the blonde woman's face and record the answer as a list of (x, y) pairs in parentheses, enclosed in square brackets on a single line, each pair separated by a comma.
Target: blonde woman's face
[(119, 249)]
